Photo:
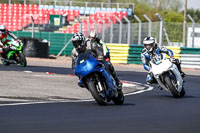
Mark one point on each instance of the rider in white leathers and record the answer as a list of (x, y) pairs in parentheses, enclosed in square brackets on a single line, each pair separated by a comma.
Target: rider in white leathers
[(150, 50)]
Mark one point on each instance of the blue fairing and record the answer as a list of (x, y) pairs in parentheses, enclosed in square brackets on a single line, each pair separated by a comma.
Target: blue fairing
[(85, 66)]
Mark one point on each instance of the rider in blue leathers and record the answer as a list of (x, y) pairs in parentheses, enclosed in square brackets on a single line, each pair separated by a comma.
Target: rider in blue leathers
[(150, 50), (81, 46)]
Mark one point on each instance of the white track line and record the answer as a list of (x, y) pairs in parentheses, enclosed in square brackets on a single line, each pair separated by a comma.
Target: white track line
[(75, 101)]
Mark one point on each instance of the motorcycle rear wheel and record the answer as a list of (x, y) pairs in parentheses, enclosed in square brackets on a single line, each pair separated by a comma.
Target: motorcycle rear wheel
[(92, 86), (119, 100), (22, 60), (182, 93)]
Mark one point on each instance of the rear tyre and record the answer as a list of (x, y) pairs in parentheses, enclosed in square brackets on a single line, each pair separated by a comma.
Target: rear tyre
[(119, 100), (171, 87), (22, 60), (182, 93), (92, 86)]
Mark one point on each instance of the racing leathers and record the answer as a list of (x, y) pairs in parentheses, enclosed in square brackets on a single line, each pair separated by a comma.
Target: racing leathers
[(99, 42), (146, 56), (97, 51), (7, 44)]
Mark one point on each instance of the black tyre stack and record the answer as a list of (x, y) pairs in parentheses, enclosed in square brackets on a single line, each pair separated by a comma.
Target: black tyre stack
[(35, 48)]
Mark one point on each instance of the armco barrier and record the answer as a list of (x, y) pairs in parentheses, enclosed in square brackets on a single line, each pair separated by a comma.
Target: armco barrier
[(134, 56), (190, 57), (57, 40), (118, 52), (125, 53), (176, 51), (131, 54)]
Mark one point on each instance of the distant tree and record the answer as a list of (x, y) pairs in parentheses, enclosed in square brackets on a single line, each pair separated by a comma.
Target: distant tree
[(195, 14), (174, 5), (172, 16)]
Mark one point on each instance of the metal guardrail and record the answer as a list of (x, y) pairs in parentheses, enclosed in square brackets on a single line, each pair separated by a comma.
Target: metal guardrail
[(125, 53), (190, 60), (190, 57)]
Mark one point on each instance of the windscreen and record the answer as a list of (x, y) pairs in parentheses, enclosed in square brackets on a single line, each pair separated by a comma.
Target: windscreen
[(82, 58)]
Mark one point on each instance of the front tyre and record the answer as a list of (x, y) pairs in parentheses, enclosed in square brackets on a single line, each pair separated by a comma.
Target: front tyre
[(171, 87), (22, 60), (92, 86), (5, 62), (119, 100)]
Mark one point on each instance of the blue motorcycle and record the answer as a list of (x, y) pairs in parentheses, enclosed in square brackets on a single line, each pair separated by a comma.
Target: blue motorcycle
[(94, 76)]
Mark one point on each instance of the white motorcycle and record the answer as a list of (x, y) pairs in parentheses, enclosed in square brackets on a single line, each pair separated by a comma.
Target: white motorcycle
[(167, 75)]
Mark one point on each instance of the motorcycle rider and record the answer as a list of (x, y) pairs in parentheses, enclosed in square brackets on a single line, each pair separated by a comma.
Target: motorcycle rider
[(5, 43), (82, 46), (150, 50), (94, 40)]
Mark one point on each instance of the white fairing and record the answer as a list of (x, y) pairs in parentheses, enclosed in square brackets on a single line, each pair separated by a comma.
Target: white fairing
[(165, 66), (162, 67)]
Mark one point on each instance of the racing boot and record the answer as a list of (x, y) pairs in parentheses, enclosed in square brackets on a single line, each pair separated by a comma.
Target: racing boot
[(5, 61), (150, 79), (80, 83), (113, 73), (178, 64), (118, 83), (181, 72)]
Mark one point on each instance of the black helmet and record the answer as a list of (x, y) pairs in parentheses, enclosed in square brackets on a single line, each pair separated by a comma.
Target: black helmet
[(78, 40)]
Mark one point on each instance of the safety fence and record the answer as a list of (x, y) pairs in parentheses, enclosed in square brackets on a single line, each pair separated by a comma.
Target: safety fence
[(120, 53), (131, 54), (125, 53), (190, 57)]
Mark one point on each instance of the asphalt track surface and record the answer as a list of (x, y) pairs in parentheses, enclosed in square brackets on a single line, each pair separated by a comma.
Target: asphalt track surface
[(153, 111)]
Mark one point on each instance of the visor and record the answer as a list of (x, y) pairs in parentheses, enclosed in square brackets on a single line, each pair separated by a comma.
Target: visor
[(148, 46), (77, 44), (2, 31)]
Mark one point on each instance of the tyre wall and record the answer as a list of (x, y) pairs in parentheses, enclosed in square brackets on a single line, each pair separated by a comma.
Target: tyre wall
[(35, 47)]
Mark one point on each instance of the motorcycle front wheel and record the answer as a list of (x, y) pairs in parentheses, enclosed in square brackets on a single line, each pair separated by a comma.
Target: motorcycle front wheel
[(5, 62), (92, 86), (173, 89)]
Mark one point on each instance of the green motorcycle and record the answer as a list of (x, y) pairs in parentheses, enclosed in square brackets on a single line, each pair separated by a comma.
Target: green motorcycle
[(12, 54)]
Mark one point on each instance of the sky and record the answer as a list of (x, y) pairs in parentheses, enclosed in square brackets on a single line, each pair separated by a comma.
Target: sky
[(193, 4)]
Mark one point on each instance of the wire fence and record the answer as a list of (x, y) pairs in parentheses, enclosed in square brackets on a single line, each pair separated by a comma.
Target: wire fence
[(169, 33)]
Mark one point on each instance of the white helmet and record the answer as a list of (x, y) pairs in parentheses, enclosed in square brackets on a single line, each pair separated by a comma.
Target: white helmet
[(78, 40), (93, 34), (149, 43), (2, 28)]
